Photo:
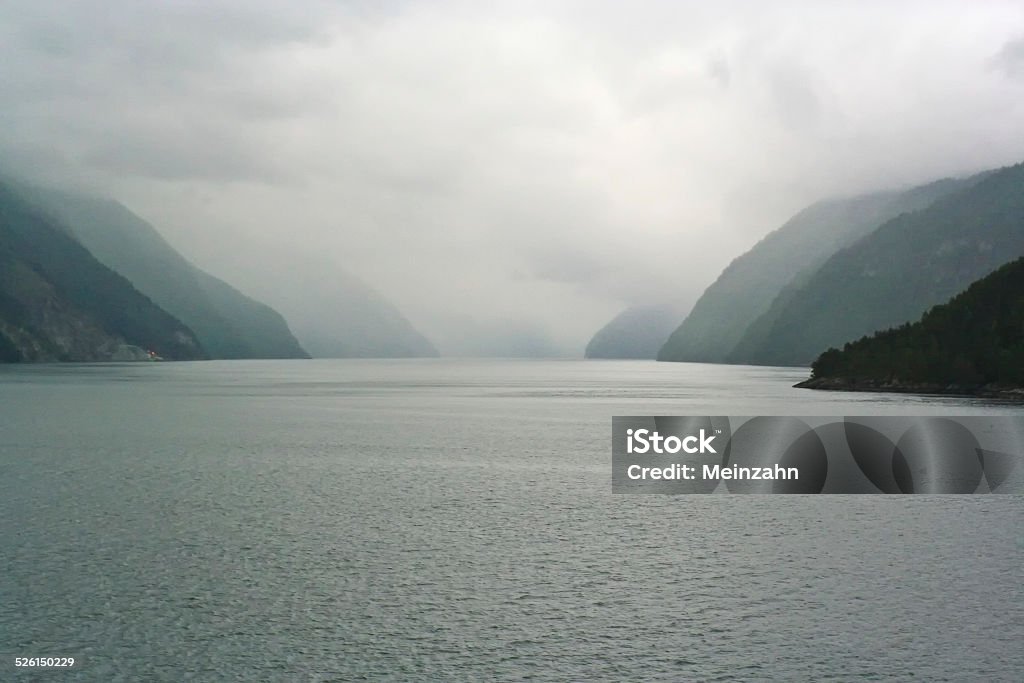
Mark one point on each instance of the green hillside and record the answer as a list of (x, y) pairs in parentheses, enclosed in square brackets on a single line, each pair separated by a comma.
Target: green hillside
[(228, 323), (975, 340), (746, 288), (896, 273), (59, 303)]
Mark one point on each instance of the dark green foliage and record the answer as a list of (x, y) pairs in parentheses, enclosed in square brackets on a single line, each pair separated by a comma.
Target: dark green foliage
[(71, 290), (746, 288), (893, 275), (976, 338)]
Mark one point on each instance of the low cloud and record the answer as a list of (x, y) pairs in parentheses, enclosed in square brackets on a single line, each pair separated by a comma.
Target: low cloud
[(542, 163)]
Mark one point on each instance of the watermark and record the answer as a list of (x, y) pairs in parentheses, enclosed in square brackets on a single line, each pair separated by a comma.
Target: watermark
[(896, 455), (44, 662)]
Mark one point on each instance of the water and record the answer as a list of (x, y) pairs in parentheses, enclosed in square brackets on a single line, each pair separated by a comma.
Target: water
[(453, 521)]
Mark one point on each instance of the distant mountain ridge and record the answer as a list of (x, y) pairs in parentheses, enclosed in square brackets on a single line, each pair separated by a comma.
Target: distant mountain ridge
[(229, 324), (909, 264), (333, 313), (59, 303), (974, 343), (748, 286), (635, 333)]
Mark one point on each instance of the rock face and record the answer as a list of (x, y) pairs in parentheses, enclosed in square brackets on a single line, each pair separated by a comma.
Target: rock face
[(637, 332), (58, 303), (973, 344), (785, 258), (227, 323)]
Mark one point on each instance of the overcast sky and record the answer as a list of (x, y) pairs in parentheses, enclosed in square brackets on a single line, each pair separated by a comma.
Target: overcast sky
[(538, 165)]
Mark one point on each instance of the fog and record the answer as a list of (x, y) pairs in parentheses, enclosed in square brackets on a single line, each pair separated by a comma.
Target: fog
[(498, 170)]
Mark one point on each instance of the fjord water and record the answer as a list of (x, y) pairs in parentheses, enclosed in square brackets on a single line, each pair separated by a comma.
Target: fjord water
[(453, 520)]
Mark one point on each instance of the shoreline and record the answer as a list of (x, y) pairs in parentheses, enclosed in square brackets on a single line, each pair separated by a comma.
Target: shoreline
[(1010, 393)]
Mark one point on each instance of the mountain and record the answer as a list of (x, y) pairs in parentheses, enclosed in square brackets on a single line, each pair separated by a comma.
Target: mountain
[(228, 323), (636, 332), (747, 287), (893, 275), (59, 303), (333, 313), (973, 343)]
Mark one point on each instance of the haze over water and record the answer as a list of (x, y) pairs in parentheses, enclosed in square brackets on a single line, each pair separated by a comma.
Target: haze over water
[(453, 520)]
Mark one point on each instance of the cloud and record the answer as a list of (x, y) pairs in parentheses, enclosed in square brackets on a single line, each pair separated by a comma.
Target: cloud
[(1010, 58), (543, 163)]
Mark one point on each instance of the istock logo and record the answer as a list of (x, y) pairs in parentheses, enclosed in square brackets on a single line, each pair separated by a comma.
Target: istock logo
[(817, 454), (646, 441)]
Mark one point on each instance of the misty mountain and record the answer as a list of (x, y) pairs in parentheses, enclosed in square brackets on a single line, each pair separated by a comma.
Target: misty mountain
[(332, 312), (975, 340), (228, 323), (59, 303), (747, 287), (910, 263), (636, 332)]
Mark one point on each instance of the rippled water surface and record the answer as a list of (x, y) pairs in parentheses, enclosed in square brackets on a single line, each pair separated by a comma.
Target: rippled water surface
[(452, 520)]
